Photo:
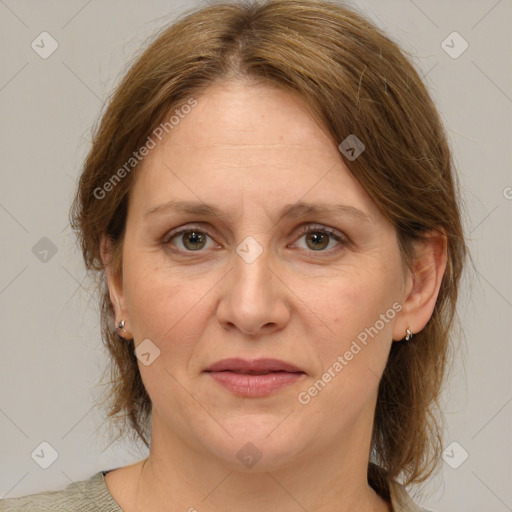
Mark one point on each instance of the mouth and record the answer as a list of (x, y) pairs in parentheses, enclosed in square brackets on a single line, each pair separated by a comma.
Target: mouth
[(256, 366), (255, 378)]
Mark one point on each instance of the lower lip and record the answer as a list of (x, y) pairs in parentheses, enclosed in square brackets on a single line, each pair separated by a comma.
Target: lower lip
[(255, 385)]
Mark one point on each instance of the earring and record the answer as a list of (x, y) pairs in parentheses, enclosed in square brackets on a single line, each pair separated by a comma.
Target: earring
[(408, 334), (121, 325)]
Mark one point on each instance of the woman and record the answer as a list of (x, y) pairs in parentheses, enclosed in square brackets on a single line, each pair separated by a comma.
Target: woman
[(270, 199)]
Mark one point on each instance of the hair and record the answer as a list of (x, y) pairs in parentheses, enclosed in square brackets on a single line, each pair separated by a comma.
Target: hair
[(356, 80)]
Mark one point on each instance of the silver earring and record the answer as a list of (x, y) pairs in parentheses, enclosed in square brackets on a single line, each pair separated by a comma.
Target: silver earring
[(121, 325), (408, 334)]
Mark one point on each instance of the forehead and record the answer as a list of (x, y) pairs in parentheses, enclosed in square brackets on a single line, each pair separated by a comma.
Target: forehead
[(237, 121), (252, 141), (241, 114)]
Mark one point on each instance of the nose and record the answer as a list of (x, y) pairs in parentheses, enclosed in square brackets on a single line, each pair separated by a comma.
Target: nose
[(254, 298)]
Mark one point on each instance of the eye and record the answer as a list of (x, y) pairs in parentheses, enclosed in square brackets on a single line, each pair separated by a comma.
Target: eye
[(318, 238), (195, 238), (192, 238)]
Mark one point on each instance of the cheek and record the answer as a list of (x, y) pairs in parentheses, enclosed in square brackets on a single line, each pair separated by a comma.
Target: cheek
[(357, 308), (162, 304), (359, 312)]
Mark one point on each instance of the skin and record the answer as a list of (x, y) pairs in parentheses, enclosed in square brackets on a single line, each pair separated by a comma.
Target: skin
[(249, 150)]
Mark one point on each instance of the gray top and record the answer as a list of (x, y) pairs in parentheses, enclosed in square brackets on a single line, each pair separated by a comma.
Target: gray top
[(92, 495)]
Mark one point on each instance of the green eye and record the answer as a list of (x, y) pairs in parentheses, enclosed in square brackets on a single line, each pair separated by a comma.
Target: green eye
[(195, 239), (317, 239)]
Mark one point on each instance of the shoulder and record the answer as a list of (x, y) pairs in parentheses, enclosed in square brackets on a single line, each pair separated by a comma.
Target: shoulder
[(401, 501), (85, 496)]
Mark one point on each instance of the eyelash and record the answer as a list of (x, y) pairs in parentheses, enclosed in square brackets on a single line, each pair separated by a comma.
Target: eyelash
[(342, 241)]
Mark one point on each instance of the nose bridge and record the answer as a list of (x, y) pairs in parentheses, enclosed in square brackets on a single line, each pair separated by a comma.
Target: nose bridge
[(250, 298), (251, 270), (255, 237)]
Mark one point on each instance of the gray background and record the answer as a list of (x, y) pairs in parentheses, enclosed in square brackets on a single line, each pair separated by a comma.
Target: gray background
[(52, 356)]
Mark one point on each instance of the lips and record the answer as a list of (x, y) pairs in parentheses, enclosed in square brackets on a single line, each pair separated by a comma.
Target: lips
[(256, 378), (254, 367)]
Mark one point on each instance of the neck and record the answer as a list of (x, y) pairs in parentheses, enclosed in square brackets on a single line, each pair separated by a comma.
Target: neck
[(186, 478)]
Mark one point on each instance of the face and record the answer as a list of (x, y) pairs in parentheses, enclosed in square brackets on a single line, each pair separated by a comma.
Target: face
[(258, 276)]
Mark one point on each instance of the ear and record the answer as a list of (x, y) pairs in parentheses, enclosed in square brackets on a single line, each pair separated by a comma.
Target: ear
[(422, 284), (114, 279)]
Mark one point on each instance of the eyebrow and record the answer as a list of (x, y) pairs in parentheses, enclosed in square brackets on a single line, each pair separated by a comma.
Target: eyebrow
[(295, 210)]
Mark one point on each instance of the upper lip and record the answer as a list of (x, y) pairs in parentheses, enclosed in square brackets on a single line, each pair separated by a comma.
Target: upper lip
[(252, 366)]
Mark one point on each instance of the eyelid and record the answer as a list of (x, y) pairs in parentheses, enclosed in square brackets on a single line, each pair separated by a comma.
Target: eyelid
[(187, 227), (313, 227)]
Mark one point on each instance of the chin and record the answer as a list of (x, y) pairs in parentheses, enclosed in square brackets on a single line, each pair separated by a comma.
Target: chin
[(259, 443)]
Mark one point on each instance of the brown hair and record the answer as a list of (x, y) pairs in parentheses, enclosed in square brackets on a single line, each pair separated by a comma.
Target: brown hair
[(357, 81)]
